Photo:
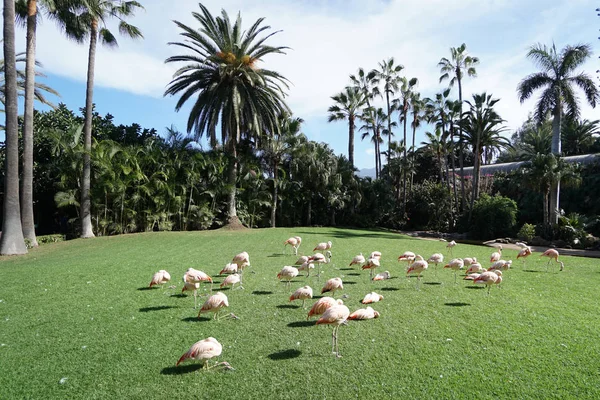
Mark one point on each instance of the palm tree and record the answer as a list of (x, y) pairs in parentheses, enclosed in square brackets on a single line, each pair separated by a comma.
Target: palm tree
[(482, 127), (12, 241), (579, 135), (375, 121), (91, 17), (454, 69), (417, 106), (557, 81), (388, 74), (436, 147), (229, 88), (367, 84), (28, 10), (348, 105)]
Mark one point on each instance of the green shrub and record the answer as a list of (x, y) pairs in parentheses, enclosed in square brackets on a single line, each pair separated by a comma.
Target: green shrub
[(50, 238), (493, 217), (527, 232)]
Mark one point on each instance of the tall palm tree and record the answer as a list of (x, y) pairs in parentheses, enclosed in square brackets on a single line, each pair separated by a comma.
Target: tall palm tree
[(417, 105), (28, 10), (436, 146), (388, 75), (91, 17), (12, 241), (375, 122), (557, 81), (459, 64), (222, 74), (347, 106), (367, 84)]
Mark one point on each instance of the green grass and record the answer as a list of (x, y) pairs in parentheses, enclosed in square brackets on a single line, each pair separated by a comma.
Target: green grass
[(79, 310)]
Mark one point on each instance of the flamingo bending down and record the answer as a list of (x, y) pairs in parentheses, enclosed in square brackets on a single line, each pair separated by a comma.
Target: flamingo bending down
[(294, 242), (382, 276), (524, 253), (191, 286), (322, 305), (489, 278), (469, 260), (472, 277), (450, 246), (336, 316), (160, 278), (364, 313), (194, 276), (307, 266), (475, 267), (408, 256), (204, 350), (357, 260), (436, 258), (323, 246), (375, 254), (552, 254), (333, 285), (287, 273), (320, 259), (230, 268), (242, 260), (232, 280), (417, 267), (372, 298), (455, 264), (371, 264), (303, 293), (301, 260), (214, 304)]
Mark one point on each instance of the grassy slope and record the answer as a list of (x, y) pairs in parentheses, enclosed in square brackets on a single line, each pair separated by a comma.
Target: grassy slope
[(75, 310)]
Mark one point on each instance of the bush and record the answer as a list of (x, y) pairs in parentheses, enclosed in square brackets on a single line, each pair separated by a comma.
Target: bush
[(526, 233), (50, 239), (429, 207), (493, 217)]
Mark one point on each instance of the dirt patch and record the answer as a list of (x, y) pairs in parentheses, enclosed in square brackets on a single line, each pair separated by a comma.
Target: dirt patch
[(234, 224)]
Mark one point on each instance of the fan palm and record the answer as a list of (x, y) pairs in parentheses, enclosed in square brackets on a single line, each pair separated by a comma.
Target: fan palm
[(347, 106), (454, 69), (557, 81), (388, 75), (366, 83), (579, 135), (375, 121), (222, 74)]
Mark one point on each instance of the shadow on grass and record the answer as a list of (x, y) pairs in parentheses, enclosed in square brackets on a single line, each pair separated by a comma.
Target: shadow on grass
[(345, 234), (196, 319), (349, 283), (179, 295), (474, 287), (346, 269), (261, 292), (457, 304), (530, 270), (156, 308), (389, 289), (301, 324), (432, 283), (183, 369), (285, 354), (287, 306), (278, 255), (148, 288), (353, 274)]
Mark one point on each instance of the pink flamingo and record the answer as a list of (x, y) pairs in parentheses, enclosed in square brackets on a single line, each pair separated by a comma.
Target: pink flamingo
[(372, 298), (364, 313), (287, 273), (552, 254), (214, 304), (333, 285), (203, 351), (194, 276), (323, 246), (159, 278), (489, 278), (371, 264), (417, 267), (336, 316), (357, 260), (455, 264), (294, 242), (382, 276), (322, 305), (303, 293), (191, 286), (231, 280)]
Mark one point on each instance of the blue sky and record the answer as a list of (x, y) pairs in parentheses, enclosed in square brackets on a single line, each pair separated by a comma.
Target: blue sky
[(329, 40)]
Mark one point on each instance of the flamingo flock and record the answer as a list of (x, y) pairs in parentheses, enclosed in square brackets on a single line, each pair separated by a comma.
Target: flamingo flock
[(333, 311)]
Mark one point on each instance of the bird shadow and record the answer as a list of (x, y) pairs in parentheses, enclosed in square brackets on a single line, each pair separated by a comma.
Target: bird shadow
[(284, 354), (278, 255), (432, 283), (196, 319), (389, 289), (530, 270), (301, 324), (349, 283), (183, 369), (148, 288), (457, 304), (156, 308), (179, 295), (346, 269), (261, 292), (287, 306), (353, 274), (474, 287)]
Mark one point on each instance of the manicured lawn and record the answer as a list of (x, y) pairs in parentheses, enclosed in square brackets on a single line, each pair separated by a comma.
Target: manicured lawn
[(79, 312)]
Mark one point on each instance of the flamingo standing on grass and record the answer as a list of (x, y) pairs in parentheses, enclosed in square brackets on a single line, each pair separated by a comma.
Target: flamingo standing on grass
[(242, 260), (552, 254), (303, 293), (524, 253), (194, 276), (205, 350), (417, 267), (333, 285), (336, 316), (214, 304), (450, 246), (231, 280), (322, 305), (455, 264), (358, 260), (193, 287), (287, 273), (489, 278), (294, 242), (371, 264), (159, 278), (436, 258), (497, 255)]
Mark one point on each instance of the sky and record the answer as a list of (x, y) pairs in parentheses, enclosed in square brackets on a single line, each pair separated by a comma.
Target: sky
[(328, 41)]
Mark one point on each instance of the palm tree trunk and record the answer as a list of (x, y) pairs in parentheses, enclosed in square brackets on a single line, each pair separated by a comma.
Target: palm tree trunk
[(389, 115), (27, 219), (556, 150), (545, 208), (351, 140), (453, 165), (404, 178), (232, 179), (274, 207), (461, 150), (476, 167), (308, 216), (86, 216), (414, 132), (12, 241)]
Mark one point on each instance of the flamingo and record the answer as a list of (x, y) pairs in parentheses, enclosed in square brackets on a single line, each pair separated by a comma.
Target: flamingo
[(303, 293), (229, 268), (203, 351), (160, 277), (523, 245), (357, 260), (372, 298), (301, 260), (322, 305), (191, 286), (450, 246), (382, 276), (320, 259), (336, 316), (524, 253), (500, 265), (552, 254), (287, 273), (417, 267), (489, 278), (242, 260), (469, 260), (364, 313), (472, 277), (496, 255), (194, 276), (323, 246), (408, 256), (376, 254), (371, 264), (293, 241), (475, 267), (231, 280), (214, 304), (436, 258), (333, 285), (455, 265), (307, 266)]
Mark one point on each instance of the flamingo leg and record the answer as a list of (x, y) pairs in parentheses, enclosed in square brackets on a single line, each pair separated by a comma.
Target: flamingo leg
[(195, 298), (333, 340), (418, 281), (489, 287), (303, 300), (455, 278)]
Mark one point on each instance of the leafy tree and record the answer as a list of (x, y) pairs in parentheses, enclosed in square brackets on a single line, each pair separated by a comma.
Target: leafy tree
[(493, 217), (557, 81), (374, 121), (579, 136), (222, 75), (388, 75), (347, 107)]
